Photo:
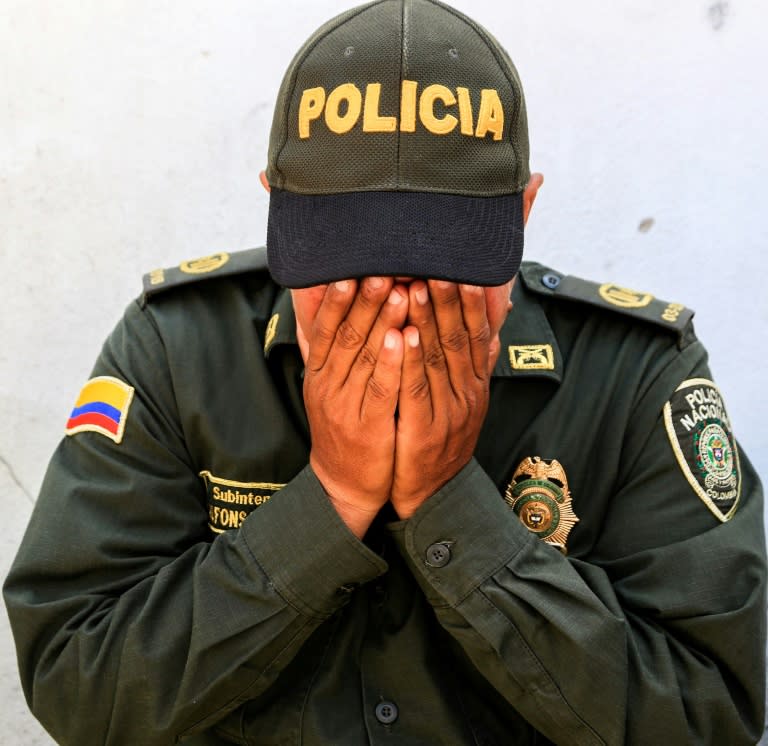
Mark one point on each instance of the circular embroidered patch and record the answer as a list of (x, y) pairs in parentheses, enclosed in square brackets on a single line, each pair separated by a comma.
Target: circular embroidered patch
[(700, 434)]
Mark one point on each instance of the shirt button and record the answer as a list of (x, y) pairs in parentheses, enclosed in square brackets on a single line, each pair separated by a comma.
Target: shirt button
[(550, 281), (438, 555), (386, 712)]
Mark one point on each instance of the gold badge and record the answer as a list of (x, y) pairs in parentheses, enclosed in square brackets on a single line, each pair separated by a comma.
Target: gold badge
[(204, 264), (624, 297), (539, 494), (531, 357)]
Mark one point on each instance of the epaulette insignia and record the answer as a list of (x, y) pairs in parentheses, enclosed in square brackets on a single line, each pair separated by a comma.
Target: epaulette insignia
[(640, 305), (215, 265)]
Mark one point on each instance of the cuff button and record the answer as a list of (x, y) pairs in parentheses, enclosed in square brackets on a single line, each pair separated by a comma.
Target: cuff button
[(438, 554)]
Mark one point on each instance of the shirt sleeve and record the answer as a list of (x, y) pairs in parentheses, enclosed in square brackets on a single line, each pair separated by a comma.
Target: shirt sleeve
[(133, 624), (657, 635)]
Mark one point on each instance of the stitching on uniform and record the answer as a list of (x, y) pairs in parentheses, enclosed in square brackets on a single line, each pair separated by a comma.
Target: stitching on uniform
[(296, 64), (532, 692), (403, 45), (502, 63)]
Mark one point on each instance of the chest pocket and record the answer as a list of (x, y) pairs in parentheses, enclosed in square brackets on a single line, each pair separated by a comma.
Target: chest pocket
[(230, 502)]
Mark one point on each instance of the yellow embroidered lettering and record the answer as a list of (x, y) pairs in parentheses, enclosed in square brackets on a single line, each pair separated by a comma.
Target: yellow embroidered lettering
[(344, 105), (671, 312), (427, 109), (408, 106), (465, 111), (372, 120), (339, 122), (310, 108), (490, 118)]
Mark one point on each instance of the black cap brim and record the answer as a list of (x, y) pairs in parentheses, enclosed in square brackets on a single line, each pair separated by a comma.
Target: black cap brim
[(316, 239)]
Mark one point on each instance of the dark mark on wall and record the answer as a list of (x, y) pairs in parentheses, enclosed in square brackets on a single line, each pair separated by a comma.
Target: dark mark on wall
[(645, 225), (717, 14)]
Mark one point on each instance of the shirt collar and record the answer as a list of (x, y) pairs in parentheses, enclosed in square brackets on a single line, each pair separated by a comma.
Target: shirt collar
[(528, 345), (281, 328)]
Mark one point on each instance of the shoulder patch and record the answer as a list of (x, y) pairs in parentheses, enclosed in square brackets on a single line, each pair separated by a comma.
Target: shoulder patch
[(700, 434), (102, 407), (194, 270), (674, 317)]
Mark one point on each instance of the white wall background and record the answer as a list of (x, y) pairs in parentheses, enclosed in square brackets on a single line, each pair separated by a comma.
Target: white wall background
[(132, 134)]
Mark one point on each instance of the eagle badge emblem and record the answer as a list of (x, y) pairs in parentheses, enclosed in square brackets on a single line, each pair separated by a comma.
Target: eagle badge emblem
[(539, 495)]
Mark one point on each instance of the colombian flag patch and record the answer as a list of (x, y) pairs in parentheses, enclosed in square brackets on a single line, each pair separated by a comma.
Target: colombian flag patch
[(102, 407)]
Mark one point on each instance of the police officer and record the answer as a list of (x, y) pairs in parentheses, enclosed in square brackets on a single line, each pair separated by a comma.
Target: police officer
[(378, 507)]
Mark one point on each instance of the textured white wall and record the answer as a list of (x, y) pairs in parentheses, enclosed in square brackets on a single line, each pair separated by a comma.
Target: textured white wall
[(132, 133)]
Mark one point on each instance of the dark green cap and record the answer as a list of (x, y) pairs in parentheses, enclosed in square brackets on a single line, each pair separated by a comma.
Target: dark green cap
[(399, 146)]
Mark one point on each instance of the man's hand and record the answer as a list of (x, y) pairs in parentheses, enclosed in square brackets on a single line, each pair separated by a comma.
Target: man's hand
[(351, 386), (443, 390)]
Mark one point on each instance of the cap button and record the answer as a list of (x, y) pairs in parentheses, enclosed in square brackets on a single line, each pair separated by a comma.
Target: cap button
[(550, 281)]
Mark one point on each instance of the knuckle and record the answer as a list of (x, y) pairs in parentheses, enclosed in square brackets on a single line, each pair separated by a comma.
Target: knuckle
[(347, 336), (419, 390), (482, 335), (324, 333), (377, 390), (470, 399), (434, 357), (369, 296), (446, 296), (366, 357), (455, 340)]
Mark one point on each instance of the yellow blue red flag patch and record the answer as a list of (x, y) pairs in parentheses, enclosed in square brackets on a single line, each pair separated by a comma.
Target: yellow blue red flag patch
[(102, 407)]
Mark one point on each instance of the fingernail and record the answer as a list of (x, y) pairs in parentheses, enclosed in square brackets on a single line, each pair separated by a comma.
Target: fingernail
[(422, 296), (443, 284), (342, 286), (473, 289), (390, 340), (376, 282), (395, 298), (412, 337)]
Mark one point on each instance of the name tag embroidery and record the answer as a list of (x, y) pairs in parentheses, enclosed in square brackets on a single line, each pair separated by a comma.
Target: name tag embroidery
[(231, 502)]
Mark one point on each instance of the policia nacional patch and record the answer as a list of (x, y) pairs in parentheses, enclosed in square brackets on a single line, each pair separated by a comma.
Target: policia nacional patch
[(700, 433)]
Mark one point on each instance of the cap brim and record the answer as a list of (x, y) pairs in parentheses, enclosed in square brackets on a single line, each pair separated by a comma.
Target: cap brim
[(316, 239)]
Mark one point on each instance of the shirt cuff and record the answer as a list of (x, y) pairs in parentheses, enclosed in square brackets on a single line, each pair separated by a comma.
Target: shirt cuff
[(306, 550), (460, 536)]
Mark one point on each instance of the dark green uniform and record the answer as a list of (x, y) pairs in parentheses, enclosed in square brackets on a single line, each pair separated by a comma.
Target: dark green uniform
[(187, 578)]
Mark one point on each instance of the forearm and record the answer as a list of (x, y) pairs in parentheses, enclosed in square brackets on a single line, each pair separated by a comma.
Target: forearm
[(546, 630), (171, 647)]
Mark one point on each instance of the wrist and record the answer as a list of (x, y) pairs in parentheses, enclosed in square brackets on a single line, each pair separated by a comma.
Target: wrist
[(356, 518), (356, 510)]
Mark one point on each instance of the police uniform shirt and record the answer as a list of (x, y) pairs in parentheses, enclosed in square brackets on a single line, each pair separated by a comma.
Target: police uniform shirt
[(185, 578)]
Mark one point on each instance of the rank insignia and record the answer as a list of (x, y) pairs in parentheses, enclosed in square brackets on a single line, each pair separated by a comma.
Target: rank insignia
[(539, 494), (205, 264), (532, 357), (700, 435)]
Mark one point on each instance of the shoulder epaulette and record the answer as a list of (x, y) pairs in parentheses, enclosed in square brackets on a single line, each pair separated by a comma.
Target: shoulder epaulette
[(215, 265), (674, 317)]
